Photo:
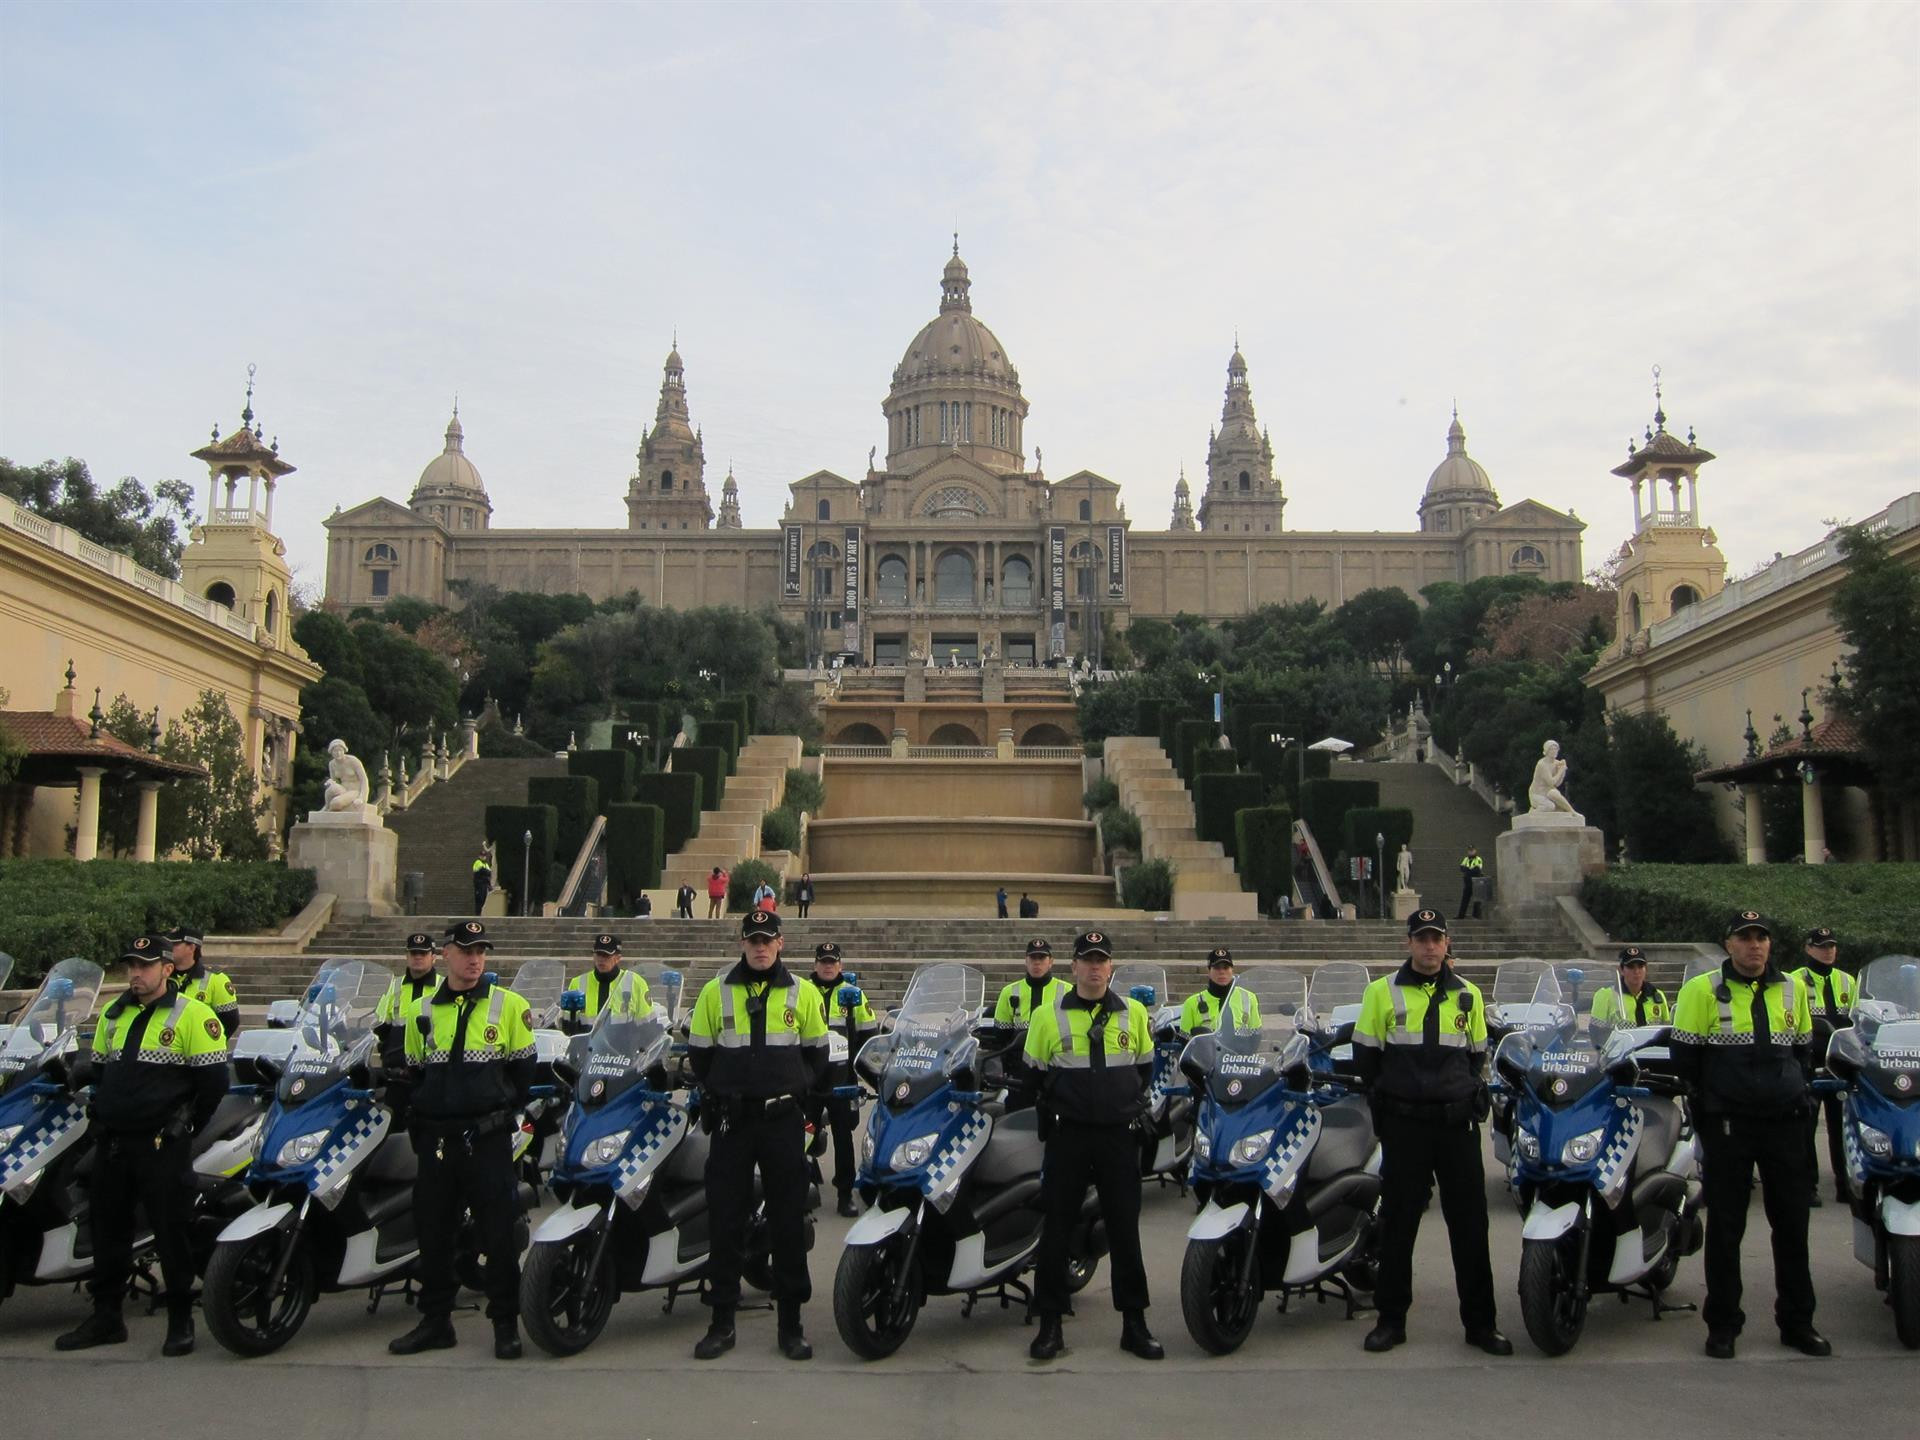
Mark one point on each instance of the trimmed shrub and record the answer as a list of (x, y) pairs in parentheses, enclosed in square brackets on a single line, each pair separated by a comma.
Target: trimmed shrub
[(1364, 822), (738, 709), (635, 853), (780, 829), (1326, 802), (805, 790), (1148, 715), (724, 736), (745, 878), (576, 800), (1263, 837), (1119, 829), (1250, 725), (1189, 736), (612, 771), (1209, 761), (506, 827), (1148, 885), (710, 765), (497, 742), (1100, 795), (678, 796), (639, 732), (1218, 798), (1170, 719), (1874, 909)]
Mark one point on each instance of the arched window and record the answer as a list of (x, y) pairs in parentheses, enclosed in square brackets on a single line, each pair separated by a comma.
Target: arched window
[(1246, 481), (1683, 596), (893, 580), (382, 554), (1016, 581), (953, 578), (1086, 510), (1529, 557), (666, 479), (823, 511), (826, 571), (953, 733), (860, 733), (1085, 560), (221, 593), (1633, 611), (272, 611)]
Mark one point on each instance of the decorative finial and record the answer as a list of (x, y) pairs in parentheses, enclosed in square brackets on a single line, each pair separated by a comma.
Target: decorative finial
[(1456, 409), (1659, 409), (1752, 738), (216, 434), (276, 444), (1839, 686), (1690, 439), (1805, 717), (956, 244), (96, 715), (246, 415), (70, 674), (153, 732)]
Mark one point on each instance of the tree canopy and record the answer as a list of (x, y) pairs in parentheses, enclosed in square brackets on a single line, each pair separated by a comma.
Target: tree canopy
[(149, 526), (1877, 608)]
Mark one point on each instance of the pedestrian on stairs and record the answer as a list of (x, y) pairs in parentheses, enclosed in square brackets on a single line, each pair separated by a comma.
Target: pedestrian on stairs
[(716, 893), (684, 901), (1472, 868)]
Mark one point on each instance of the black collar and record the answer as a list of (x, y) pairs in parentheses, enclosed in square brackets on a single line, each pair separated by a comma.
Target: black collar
[(422, 983), (126, 1002), (1772, 975), (1445, 980), (744, 974), (444, 996), (1108, 1001), (827, 987), (1219, 991)]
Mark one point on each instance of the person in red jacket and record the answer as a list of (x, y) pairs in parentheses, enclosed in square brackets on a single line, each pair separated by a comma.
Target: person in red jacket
[(716, 893)]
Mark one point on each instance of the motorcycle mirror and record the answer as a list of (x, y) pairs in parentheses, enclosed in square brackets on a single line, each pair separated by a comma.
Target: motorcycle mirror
[(670, 977), (1624, 1071), (852, 977), (491, 977), (1576, 975), (60, 988)]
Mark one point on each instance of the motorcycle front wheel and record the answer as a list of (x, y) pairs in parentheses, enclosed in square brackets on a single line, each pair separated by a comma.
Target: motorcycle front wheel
[(1219, 1310), (869, 1319), (565, 1298), (1553, 1314), (1903, 1287), (241, 1312)]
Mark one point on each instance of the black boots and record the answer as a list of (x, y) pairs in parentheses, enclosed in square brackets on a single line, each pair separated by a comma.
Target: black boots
[(179, 1333), (1807, 1340), (719, 1337), (1490, 1340), (1384, 1336), (1136, 1339), (506, 1338), (102, 1327), (793, 1338), (434, 1332), (1048, 1340), (849, 1207)]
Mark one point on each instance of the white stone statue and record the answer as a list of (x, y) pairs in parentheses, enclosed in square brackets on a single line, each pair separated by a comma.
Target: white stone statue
[(1403, 867), (1549, 773), (347, 787)]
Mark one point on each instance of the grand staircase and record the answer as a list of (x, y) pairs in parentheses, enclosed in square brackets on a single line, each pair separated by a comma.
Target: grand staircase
[(730, 829), (1204, 878), (1447, 818), (444, 829)]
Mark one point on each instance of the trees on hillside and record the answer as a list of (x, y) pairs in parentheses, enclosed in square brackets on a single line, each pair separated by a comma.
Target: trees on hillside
[(149, 526), (1877, 608)]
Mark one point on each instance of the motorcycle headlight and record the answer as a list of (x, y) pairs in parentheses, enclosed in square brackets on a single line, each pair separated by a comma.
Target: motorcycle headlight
[(10, 1134), (866, 1147), (1581, 1149), (608, 1148), (302, 1148), (1250, 1149), (1527, 1145), (912, 1154), (1876, 1143), (1203, 1144)]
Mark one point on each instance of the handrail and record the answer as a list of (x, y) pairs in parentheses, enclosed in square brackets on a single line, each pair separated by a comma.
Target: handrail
[(1322, 876), (569, 892)]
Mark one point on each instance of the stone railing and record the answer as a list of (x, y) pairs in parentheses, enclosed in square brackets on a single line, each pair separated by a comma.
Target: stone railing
[(1469, 776), (399, 790)]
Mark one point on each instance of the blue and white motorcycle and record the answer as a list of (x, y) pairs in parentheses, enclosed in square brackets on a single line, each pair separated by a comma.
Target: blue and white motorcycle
[(1284, 1161), (1878, 1060), (1604, 1165), (1166, 1144), (952, 1180)]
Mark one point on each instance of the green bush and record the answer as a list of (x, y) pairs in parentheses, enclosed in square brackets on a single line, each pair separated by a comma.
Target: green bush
[(1189, 736), (635, 853), (576, 800), (612, 770), (1100, 795), (1325, 804), (1218, 798), (1209, 761), (1148, 715), (745, 878), (1263, 839), (1249, 725), (1148, 885), (710, 765), (805, 790), (1874, 909), (53, 908), (678, 796), (1170, 719), (780, 829), (724, 736), (1119, 829), (497, 742), (506, 825), (735, 708)]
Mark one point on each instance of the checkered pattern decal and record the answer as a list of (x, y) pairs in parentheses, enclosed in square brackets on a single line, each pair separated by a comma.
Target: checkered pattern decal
[(942, 1180), (1856, 1158), (1616, 1159), (1284, 1161), (337, 1159), (639, 1160), (24, 1156)]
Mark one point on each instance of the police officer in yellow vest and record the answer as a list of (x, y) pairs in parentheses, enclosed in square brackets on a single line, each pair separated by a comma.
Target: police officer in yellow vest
[(608, 979), (471, 1044), (1093, 1054), (1830, 996), (395, 1015), (159, 1070), (757, 1038), (1420, 1046), (1633, 1001), (212, 988), (1202, 1009), (1742, 1041), (848, 1014), (1013, 1012)]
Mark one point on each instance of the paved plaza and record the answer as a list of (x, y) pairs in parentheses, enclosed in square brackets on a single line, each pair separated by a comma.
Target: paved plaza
[(1298, 1371)]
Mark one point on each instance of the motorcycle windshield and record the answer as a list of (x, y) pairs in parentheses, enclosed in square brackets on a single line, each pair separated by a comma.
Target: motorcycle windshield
[(1889, 988), (1242, 1065), (932, 1033), (622, 1049), (1559, 1060), (335, 1028), (62, 1003), (539, 983), (1514, 981), (1278, 994), (1143, 982), (6, 968), (1334, 994)]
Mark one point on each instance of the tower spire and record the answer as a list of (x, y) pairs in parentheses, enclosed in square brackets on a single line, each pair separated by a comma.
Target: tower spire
[(246, 414)]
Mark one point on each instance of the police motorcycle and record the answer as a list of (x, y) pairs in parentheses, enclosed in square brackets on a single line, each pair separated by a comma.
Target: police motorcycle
[(951, 1179), (1878, 1061), (1511, 1007), (1327, 1018), (1285, 1163), (1166, 1142), (1604, 1164), (541, 983)]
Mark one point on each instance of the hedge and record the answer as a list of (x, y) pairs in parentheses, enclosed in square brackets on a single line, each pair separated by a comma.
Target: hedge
[(1218, 798), (678, 796), (710, 765), (803, 790), (1209, 761), (1874, 909), (636, 852), (724, 736), (745, 878), (1147, 716), (1326, 803), (506, 824), (51, 909), (1119, 829), (780, 829), (1363, 822), (613, 770), (1250, 725), (1190, 735), (1148, 885), (1170, 719), (576, 800), (639, 732), (1263, 835), (738, 709), (1103, 794)]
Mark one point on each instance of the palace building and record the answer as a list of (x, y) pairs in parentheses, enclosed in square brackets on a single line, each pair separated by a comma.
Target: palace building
[(954, 547)]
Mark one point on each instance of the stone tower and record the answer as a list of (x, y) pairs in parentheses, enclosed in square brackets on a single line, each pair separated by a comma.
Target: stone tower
[(669, 491), (1672, 561), (1182, 504), (1242, 495), (1459, 492), (450, 490), (729, 504), (233, 557)]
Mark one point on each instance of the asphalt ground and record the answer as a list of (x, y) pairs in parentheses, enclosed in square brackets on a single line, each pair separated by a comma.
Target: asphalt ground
[(971, 1376)]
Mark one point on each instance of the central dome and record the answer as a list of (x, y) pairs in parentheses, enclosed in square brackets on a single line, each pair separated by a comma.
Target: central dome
[(1459, 471), (953, 342), (451, 469)]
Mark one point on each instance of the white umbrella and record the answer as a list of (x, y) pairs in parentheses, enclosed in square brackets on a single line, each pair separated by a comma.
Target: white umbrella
[(1330, 743)]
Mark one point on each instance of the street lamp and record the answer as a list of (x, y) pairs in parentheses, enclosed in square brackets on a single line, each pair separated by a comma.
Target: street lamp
[(1276, 738), (1380, 870), (526, 869)]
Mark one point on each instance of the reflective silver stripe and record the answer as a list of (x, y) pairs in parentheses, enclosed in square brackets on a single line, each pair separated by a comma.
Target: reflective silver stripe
[(495, 1005), (730, 1038), (1450, 1039), (1066, 1059), (1398, 994)]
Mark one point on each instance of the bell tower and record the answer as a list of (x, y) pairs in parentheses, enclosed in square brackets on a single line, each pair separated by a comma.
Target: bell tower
[(1673, 560), (669, 491), (1242, 496), (233, 558)]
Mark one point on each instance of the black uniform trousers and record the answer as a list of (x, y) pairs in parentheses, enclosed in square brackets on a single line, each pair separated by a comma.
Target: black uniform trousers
[(460, 1171), (1731, 1147), (1830, 1112), (129, 1171), (1466, 895), (1415, 1152), (776, 1140), (841, 1116), (1108, 1158), (482, 887)]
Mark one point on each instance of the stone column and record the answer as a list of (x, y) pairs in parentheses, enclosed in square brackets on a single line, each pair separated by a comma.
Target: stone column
[(1756, 826), (86, 840), (149, 819), (1813, 822)]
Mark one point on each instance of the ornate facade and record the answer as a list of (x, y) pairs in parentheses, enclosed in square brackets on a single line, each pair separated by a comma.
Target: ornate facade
[(955, 546)]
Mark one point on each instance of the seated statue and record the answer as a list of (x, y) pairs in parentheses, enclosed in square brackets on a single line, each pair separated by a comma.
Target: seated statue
[(1549, 773), (347, 787)]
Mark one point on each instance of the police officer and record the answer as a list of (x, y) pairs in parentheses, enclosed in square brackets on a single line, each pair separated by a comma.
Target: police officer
[(159, 1070), (1633, 1001), (1022, 999), (1830, 996), (758, 1042), (1472, 868), (399, 1007), (212, 988), (1202, 1008), (1742, 1040), (609, 979), (471, 1044), (854, 1019), (482, 880), (1093, 1053), (1420, 1045)]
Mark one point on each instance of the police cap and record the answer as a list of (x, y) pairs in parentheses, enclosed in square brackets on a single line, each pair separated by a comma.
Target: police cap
[(1424, 920), (762, 923), (1747, 920), (420, 943), (1093, 945), (148, 950), (469, 935), (1039, 947), (604, 944)]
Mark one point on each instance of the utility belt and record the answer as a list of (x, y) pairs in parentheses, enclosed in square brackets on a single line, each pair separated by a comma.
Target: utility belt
[(1451, 1113), (431, 1132), (717, 1112), (172, 1128)]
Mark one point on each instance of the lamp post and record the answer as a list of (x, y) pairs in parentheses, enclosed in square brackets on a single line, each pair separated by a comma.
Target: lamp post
[(1380, 870), (526, 870), (1276, 738)]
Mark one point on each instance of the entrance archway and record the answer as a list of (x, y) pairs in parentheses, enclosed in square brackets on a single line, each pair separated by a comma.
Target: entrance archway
[(860, 733), (953, 734), (1046, 734)]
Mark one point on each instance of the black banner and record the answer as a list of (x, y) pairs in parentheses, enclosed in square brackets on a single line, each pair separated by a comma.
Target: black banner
[(790, 562), (850, 602), (1116, 562), (1057, 592)]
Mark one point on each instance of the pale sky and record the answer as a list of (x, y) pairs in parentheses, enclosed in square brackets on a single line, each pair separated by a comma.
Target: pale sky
[(1524, 207)]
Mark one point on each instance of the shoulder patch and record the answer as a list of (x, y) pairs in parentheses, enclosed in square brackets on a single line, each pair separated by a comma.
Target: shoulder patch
[(214, 1030)]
